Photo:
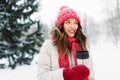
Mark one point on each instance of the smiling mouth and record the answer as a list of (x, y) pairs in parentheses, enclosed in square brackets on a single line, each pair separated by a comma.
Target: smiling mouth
[(71, 31)]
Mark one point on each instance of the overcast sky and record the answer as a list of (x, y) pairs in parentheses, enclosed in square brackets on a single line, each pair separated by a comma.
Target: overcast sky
[(49, 9)]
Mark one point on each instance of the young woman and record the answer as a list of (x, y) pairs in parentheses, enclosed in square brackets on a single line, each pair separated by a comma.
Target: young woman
[(57, 58)]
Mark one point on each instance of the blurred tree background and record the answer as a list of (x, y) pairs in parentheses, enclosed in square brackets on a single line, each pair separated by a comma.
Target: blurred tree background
[(113, 21), (20, 36), (107, 29)]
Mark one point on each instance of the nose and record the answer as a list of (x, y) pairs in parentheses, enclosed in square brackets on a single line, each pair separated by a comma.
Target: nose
[(72, 25)]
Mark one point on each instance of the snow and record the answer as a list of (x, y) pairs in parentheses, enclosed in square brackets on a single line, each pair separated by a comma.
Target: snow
[(105, 58), (24, 72)]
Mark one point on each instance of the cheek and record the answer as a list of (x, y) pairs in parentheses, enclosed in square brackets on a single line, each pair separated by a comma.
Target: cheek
[(65, 28), (76, 27)]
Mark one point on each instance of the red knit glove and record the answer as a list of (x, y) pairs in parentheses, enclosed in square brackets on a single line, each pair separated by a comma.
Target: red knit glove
[(79, 72)]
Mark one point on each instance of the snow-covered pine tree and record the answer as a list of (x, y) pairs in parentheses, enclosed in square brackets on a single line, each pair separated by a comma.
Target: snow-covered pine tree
[(20, 36)]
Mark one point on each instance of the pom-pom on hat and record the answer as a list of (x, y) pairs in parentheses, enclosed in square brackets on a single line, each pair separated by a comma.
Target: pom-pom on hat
[(66, 13)]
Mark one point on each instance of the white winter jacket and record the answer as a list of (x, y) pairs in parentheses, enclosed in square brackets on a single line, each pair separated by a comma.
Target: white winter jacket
[(48, 66)]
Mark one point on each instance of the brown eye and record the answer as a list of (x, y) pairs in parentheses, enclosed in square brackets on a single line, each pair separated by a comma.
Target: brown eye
[(67, 22), (75, 22)]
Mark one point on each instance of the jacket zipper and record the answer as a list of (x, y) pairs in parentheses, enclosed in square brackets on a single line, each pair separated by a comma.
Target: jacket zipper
[(71, 59)]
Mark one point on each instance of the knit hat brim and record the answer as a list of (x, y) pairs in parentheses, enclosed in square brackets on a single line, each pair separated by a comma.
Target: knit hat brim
[(65, 14)]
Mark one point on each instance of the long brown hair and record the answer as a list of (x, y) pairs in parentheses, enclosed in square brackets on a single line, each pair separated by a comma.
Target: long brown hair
[(60, 38)]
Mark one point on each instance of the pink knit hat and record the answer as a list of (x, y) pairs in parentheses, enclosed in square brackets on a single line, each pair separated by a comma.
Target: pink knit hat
[(66, 13)]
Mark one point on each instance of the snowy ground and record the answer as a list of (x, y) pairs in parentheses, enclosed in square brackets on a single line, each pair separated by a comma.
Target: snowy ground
[(20, 73), (105, 57)]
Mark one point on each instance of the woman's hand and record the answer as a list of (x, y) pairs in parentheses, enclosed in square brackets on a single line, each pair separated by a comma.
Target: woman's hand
[(78, 72)]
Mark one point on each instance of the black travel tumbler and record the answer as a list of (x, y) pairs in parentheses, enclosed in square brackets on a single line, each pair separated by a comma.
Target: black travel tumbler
[(81, 55)]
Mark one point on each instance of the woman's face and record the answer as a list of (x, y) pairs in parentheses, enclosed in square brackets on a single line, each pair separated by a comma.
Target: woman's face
[(70, 27)]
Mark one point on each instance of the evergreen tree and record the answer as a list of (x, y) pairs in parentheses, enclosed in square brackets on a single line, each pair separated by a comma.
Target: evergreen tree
[(20, 36)]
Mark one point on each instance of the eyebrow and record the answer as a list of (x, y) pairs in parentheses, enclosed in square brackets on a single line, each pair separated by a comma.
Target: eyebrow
[(70, 20)]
